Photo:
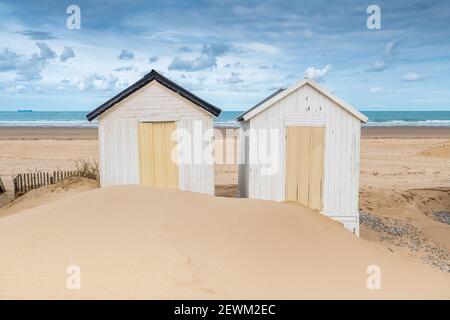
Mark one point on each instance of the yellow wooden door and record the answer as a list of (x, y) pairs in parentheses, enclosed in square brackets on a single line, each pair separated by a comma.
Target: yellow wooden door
[(157, 168), (304, 160), (292, 164), (304, 165), (316, 168)]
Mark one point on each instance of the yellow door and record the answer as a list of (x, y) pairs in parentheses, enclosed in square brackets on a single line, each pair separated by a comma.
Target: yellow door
[(157, 168), (292, 164), (304, 165)]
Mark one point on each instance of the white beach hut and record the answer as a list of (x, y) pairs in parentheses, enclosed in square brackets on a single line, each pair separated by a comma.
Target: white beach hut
[(138, 131), (303, 144)]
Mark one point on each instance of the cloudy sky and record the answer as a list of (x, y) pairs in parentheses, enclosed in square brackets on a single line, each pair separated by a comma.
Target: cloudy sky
[(231, 53)]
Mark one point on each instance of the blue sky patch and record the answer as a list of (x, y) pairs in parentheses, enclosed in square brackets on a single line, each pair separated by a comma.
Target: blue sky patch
[(231, 53)]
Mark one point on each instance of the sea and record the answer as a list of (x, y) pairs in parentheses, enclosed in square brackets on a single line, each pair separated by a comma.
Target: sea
[(226, 119)]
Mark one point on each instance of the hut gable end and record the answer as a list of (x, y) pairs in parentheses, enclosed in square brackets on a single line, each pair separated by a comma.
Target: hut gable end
[(155, 102), (297, 90), (153, 76)]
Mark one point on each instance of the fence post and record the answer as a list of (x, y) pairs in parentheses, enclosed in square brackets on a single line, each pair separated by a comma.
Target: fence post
[(25, 182)]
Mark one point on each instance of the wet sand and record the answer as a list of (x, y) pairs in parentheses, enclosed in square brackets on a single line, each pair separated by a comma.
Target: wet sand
[(65, 133), (405, 132), (59, 133)]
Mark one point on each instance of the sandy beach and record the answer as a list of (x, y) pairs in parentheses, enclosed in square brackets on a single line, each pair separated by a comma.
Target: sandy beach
[(193, 246), (405, 132), (404, 191), (68, 133), (53, 133)]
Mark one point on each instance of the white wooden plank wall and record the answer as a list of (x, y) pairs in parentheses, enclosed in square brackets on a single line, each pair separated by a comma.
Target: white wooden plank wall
[(342, 147), (118, 130)]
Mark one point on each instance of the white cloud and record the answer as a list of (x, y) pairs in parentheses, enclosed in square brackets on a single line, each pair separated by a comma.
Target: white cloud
[(377, 66), (30, 69), (15, 88), (45, 52), (376, 89), (27, 69), (236, 64), (390, 50), (8, 60), (184, 49), (122, 84), (37, 35), (317, 74), (206, 61), (411, 76), (261, 47), (264, 66), (124, 68), (234, 78), (67, 54), (126, 55), (391, 47), (98, 82)]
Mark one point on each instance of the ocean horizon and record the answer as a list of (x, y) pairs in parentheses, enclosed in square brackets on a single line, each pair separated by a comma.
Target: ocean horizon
[(226, 119)]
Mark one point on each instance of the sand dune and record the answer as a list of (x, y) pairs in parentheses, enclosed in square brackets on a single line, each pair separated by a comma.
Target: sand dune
[(48, 194), (137, 242)]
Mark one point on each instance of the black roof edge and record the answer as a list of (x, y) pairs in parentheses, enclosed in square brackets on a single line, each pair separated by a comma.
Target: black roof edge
[(241, 116), (149, 77)]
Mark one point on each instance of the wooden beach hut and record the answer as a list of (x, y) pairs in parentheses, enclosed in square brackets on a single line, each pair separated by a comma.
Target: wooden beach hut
[(139, 130), (303, 144)]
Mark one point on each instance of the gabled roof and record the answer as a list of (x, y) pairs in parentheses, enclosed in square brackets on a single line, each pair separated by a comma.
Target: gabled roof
[(281, 93), (241, 116), (153, 75)]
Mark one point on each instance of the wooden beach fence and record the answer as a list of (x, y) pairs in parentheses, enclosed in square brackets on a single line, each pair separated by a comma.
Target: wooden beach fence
[(25, 182)]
